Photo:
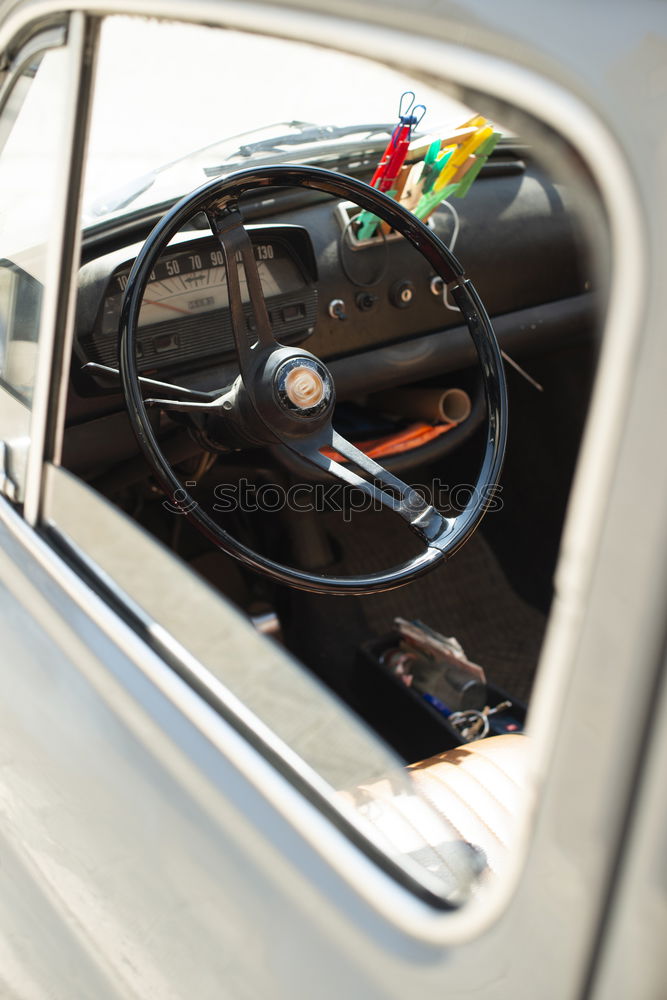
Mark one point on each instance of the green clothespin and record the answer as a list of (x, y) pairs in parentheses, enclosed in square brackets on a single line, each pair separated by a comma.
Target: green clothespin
[(481, 156), (367, 224), (487, 147), (430, 201), (464, 185), (429, 171), (438, 167)]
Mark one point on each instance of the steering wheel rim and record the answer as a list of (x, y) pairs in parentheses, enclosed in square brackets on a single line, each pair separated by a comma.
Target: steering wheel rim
[(219, 200)]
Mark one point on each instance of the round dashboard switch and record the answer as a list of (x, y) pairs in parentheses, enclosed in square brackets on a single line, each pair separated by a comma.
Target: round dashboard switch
[(365, 301), (402, 294)]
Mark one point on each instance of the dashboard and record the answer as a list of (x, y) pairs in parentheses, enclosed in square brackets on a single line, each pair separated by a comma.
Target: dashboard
[(373, 312)]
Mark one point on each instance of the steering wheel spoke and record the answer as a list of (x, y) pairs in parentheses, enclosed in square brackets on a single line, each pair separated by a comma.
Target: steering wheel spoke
[(377, 483), (174, 391), (184, 405), (238, 250)]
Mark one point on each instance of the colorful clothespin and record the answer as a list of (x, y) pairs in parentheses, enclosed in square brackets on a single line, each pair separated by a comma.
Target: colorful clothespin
[(421, 173), (480, 159), (461, 167), (430, 171), (391, 162)]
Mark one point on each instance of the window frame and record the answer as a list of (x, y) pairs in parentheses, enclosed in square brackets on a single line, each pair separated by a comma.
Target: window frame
[(561, 110), (16, 413), (26, 440)]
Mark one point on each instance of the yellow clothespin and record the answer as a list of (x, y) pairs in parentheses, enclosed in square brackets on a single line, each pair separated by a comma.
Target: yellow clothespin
[(477, 120)]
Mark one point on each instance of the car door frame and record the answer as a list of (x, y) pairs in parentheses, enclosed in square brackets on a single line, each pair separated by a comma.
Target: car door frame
[(553, 904)]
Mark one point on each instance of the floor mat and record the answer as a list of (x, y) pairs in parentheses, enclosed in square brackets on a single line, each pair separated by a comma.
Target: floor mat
[(468, 597)]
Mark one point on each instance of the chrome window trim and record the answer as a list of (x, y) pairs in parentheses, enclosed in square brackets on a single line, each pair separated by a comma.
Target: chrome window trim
[(58, 248), (48, 38), (544, 100), (71, 245), (28, 424), (15, 414)]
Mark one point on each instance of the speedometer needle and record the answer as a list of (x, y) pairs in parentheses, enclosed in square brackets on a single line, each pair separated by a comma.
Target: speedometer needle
[(164, 305)]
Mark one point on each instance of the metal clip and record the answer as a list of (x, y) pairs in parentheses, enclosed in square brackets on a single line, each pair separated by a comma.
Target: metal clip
[(407, 109)]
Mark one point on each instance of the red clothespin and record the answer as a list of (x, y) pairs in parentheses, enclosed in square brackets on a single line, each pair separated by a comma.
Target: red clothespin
[(394, 155)]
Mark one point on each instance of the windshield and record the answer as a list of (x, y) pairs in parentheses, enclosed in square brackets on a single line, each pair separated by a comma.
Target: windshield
[(164, 91)]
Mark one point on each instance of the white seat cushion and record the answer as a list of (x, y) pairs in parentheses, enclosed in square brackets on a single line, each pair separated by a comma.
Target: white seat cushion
[(479, 788), (456, 818)]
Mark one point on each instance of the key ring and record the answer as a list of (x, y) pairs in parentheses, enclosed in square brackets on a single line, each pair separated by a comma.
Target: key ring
[(463, 721)]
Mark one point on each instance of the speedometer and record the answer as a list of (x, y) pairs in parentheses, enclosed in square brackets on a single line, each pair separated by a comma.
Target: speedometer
[(194, 281), (185, 311)]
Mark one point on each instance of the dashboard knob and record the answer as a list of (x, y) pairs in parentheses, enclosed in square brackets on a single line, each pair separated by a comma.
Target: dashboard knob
[(337, 309), (365, 301), (402, 294)]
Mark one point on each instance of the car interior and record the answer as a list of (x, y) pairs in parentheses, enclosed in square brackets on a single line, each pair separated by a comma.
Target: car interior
[(434, 658)]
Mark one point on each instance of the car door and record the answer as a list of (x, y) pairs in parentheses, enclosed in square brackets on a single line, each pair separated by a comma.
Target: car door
[(167, 834)]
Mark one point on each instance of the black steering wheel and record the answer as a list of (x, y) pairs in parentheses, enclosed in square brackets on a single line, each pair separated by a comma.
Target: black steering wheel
[(285, 395)]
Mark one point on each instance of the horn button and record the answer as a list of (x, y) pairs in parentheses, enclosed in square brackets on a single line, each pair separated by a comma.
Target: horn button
[(303, 387)]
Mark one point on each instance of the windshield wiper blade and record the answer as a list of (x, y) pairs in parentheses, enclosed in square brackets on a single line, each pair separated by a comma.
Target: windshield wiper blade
[(310, 134), (315, 152), (306, 133)]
